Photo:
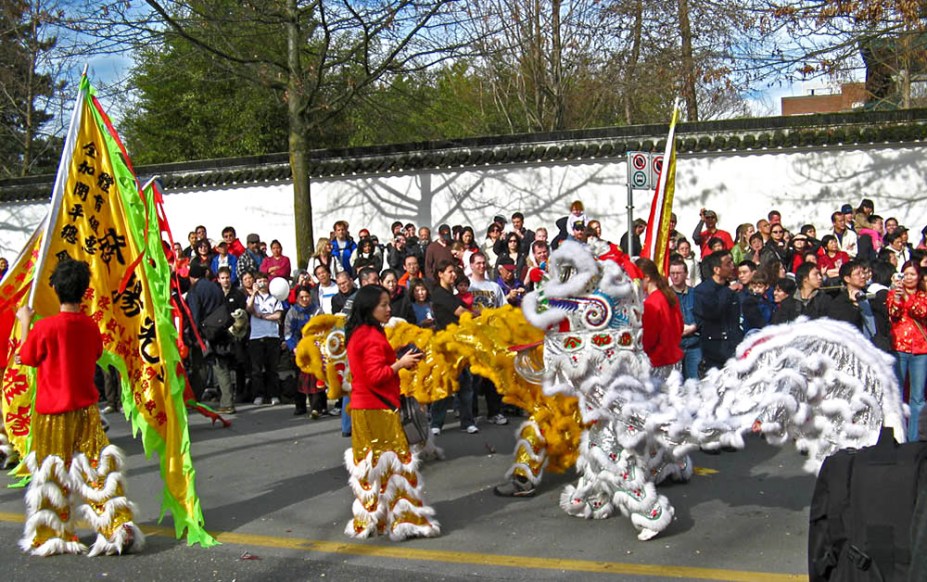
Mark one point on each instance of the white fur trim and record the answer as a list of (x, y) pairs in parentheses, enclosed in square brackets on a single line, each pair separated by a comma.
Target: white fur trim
[(397, 487), (117, 544), (53, 547)]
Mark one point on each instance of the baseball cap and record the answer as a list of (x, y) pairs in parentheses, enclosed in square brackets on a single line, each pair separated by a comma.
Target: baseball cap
[(579, 225), (253, 238), (499, 218), (507, 263), (711, 214), (846, 209)]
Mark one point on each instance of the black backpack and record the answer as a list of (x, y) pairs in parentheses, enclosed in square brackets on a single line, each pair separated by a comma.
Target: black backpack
[(215, 325), (861, 512)]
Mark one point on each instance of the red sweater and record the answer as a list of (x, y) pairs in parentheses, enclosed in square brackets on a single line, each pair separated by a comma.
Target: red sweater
[(662, 325), (370, 357), (65, 348)]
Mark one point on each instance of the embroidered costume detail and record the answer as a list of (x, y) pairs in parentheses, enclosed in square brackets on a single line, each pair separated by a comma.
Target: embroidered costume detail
[(106, 507), (383, 473), (49, 530), (530, 453)]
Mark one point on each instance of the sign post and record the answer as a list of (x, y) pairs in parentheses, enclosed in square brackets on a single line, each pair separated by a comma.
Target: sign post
[(643, 172)]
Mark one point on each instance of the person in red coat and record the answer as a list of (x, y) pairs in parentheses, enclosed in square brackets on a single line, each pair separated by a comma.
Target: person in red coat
[(907, 312), (662, 322), (383, 469), (71, 456)]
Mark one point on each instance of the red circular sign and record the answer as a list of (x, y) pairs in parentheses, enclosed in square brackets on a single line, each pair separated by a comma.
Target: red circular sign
[(657, 164)]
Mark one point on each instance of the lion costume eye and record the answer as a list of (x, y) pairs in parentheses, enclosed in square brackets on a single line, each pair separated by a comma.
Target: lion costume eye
[(566, 272)]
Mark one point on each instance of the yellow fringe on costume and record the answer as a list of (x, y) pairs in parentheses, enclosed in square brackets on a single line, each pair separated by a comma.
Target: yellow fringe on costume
[(385, 479), (479, 342), (323, 352)]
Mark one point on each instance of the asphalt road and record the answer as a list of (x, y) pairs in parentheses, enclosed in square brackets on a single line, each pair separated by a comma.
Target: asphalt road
[(274, 491)]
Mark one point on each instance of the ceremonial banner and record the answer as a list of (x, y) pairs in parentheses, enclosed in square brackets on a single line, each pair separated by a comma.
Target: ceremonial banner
[(101, 216), (18, 382), (656, 240)]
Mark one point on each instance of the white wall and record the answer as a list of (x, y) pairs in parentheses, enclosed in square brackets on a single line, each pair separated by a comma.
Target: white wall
[(806, 186)]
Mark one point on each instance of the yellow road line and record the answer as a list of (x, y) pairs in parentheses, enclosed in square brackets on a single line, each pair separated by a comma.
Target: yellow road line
[(452, 557)]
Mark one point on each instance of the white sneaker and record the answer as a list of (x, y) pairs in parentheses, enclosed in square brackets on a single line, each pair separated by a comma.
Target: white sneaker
[(472, 429), (435, 430), (258, 401), (274, 401), (499, 419)]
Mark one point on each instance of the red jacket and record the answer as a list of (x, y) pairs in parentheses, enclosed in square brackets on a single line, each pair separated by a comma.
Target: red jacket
[(65, 349), (370, 357), (903, 311), (236, 249), (705, 236), (826, 263), (662, 325)]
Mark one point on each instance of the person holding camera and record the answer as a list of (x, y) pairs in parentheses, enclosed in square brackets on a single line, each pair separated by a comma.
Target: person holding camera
[(907, 311), (264, 343), (380, 455)]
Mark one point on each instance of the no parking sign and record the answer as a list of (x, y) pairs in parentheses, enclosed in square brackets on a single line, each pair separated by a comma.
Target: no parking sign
[(639, 169)]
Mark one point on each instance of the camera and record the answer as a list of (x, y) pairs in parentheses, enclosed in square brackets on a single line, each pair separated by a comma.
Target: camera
[(409, 348)]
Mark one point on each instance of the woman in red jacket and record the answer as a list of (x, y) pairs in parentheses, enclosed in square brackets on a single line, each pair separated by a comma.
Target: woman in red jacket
[(662, 321), (383, 470), (907, 312)]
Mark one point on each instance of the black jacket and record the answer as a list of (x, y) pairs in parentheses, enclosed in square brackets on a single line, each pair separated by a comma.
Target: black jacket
[(789, 310), (401, 306), (717, 311), (842, 308)]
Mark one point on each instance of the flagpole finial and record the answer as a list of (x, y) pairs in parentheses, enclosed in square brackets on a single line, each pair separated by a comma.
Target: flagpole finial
[(84, 71)]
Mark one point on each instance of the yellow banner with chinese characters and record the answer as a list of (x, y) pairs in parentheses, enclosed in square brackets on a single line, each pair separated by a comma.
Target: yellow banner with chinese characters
[(92, 227), (100, 215)]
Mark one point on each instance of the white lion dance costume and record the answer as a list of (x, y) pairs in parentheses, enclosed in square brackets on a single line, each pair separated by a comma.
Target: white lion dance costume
[(818, 383)]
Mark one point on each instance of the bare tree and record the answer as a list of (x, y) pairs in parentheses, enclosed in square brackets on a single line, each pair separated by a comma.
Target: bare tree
[(548, 65), (322, 54), (885, 39)]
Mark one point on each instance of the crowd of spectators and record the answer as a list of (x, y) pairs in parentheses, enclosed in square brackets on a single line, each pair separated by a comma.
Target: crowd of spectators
[(862, 268)]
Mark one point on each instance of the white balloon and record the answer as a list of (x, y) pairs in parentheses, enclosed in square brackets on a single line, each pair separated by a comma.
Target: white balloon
[(279, 288)]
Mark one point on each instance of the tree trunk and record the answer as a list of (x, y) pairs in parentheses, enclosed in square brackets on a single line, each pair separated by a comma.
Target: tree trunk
[(633, 59), (688, 62), (556, 50), (299, 149), (29, 125)]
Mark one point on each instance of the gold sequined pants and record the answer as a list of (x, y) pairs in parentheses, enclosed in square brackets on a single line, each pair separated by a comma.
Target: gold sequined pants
[(74, 468)]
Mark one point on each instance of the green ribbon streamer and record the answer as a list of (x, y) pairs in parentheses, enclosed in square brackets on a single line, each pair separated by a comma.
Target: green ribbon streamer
[(141, 217)]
